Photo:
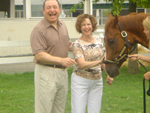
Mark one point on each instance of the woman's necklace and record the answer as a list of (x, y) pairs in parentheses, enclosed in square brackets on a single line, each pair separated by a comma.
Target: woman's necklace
[(88, 39)]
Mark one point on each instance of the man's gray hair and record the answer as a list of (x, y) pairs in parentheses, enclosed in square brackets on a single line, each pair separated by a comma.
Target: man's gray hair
[(49, 0)]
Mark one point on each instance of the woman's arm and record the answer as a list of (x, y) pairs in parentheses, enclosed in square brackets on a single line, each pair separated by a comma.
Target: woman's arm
[(87, 64), (139, 57)]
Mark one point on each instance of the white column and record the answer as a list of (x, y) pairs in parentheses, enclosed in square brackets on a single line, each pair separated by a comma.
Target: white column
[(88, 7), (24, 9), (27, 8), (102, 17), (97, 16), (12, 8), (145, 10)]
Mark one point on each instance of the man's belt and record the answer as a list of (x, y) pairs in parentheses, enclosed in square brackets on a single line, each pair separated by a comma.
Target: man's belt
[(54, 66)]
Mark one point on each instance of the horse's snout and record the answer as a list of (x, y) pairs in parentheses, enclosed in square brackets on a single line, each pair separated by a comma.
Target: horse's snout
[(112, 70)]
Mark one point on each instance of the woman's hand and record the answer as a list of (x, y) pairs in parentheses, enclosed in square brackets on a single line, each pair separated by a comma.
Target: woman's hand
[(133, 57), (147, 75), (109, 80)]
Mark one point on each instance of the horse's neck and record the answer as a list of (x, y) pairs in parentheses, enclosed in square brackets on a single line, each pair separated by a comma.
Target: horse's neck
[(131, 23)]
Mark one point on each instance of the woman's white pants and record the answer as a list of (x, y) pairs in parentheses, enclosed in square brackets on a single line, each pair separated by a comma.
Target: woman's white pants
[(85, 92)]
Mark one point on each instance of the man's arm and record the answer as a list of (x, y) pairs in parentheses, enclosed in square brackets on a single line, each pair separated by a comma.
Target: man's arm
[(46, 58), (70, 47)]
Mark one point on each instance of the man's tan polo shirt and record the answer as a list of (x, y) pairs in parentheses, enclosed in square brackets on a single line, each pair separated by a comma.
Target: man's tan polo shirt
[(45, 38)]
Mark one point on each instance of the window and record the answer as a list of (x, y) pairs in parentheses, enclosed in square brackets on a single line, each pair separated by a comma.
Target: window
[(139, 10), (78, 12)]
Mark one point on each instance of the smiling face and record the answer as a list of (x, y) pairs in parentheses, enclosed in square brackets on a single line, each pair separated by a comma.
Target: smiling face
[(85, 23), (86, 27), (51, 11)]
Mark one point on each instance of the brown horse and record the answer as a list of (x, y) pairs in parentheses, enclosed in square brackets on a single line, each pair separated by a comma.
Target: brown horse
[(121, 34)]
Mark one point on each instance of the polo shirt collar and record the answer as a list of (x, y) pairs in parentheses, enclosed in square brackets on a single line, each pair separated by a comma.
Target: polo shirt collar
[(47, 24)]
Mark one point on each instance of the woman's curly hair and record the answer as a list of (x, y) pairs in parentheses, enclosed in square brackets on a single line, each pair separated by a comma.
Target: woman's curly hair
[(81, 18)]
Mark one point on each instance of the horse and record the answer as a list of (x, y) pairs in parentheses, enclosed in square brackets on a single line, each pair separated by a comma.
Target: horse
[(121, 35)]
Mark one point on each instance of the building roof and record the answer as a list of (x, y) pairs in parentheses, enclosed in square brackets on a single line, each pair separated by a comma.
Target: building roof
[(20, 2), (69, 1)]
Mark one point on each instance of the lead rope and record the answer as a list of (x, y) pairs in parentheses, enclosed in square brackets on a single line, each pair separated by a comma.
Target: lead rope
[(148, 92)]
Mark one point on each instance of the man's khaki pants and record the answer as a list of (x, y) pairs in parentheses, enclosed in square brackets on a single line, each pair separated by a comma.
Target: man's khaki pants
[(51, 86)]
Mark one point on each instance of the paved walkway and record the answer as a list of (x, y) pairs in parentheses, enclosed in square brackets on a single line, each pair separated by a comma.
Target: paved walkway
[(25, 67), (17, 68), (20, 68)]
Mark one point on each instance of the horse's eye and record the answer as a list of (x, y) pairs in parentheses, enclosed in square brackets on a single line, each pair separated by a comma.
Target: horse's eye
[(111, 41)]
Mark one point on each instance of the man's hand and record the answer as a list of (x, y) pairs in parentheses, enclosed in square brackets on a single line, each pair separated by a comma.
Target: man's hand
[(67, 62)]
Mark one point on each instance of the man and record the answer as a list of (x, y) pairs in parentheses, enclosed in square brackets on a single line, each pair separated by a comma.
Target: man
[(50, 45)]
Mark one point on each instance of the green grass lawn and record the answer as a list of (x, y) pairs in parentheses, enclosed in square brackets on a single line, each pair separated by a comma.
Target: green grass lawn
[(125, 95)]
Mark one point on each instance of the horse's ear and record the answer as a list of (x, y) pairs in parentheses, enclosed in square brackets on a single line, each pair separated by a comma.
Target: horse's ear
[(110, 16), (116, 19)]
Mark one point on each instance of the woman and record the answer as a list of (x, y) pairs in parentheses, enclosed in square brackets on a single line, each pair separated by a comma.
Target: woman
[(146, 25), (86, 80)]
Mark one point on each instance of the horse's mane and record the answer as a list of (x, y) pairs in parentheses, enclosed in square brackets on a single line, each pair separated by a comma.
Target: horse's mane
[(133, 21)]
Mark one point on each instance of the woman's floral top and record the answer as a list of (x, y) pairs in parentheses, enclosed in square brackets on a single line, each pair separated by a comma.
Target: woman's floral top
[(90, 52)]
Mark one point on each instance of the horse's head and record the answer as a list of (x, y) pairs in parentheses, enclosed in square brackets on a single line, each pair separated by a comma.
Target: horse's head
[(121, 33), (116, 45)]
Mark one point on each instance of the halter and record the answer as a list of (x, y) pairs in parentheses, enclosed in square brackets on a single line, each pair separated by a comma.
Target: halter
[(122, 57)]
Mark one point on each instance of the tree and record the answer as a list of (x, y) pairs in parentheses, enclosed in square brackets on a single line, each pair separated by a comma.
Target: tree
[(80, 4), (133, 66), (117, 4)]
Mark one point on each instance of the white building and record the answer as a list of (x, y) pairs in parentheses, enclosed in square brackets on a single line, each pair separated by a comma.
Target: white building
[(33, 9)]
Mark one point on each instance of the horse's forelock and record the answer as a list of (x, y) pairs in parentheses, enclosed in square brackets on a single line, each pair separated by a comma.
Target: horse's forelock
[(111, 25), (112, 22)]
